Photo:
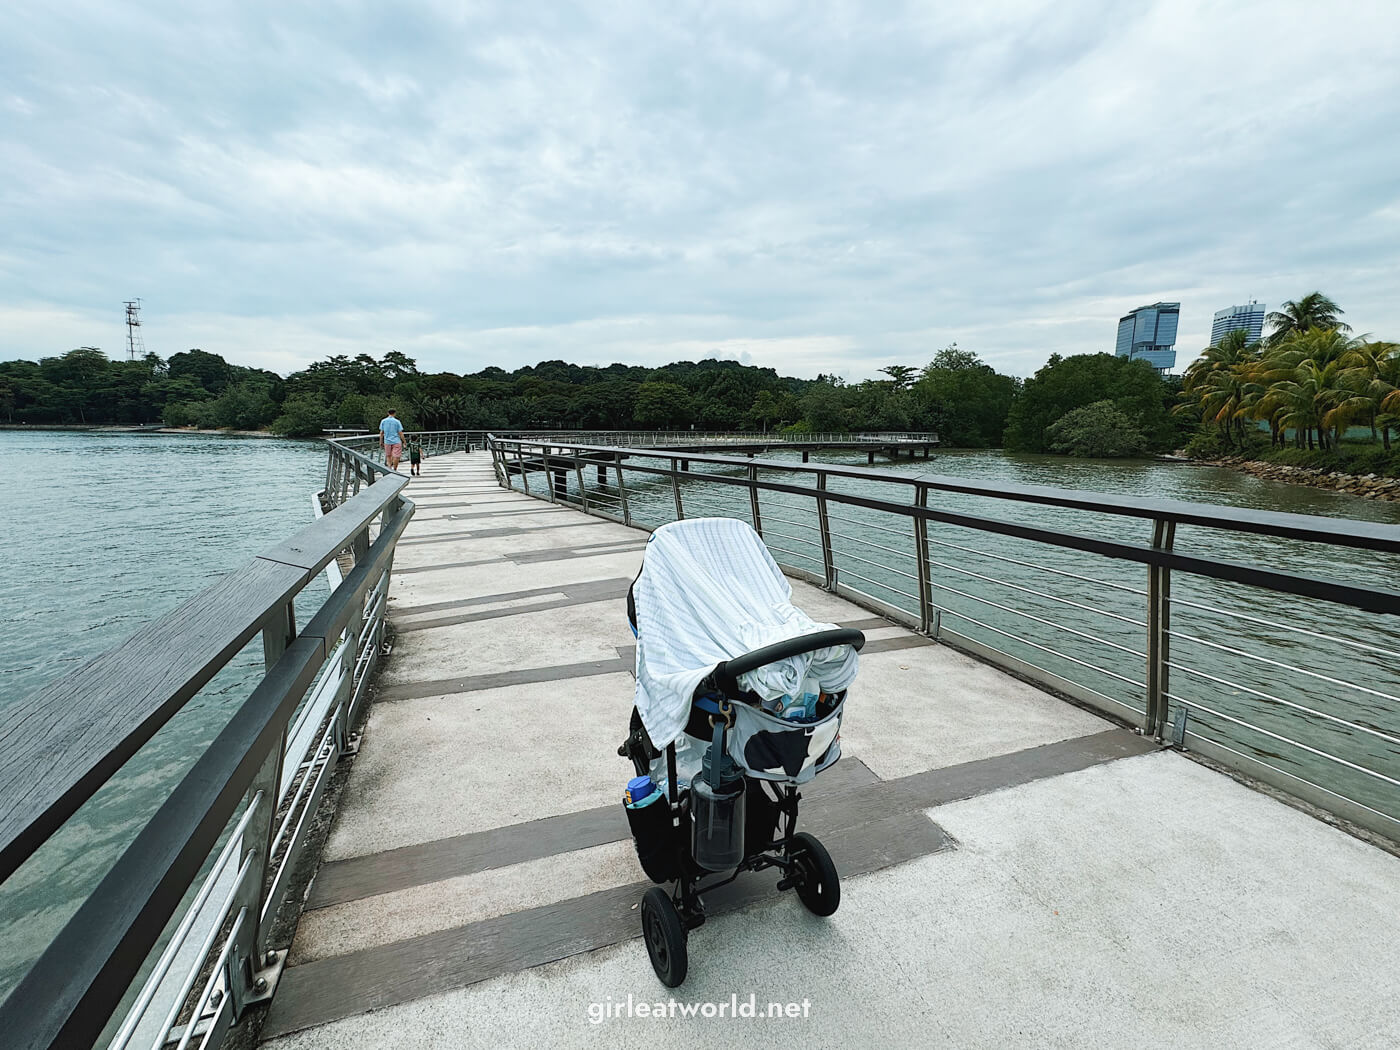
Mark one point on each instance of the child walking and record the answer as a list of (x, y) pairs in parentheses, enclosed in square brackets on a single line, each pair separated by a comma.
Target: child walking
[(415, 457)]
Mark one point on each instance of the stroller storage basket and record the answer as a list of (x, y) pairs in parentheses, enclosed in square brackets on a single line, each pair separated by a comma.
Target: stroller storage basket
[(657, 840), (768, 747)]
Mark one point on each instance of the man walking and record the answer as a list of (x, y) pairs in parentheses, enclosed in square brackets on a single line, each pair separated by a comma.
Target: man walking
[(391, 437)]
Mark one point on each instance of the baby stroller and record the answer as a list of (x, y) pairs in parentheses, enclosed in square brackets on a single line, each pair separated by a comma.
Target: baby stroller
[(739, 703)]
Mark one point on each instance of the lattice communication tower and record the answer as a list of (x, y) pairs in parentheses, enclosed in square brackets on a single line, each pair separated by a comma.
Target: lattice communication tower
[(135, 345)]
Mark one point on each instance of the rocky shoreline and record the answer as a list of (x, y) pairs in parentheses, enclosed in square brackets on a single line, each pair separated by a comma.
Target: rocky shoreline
[(1368, 486)]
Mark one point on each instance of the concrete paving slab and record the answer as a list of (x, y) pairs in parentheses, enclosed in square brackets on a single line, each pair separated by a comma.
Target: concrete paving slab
[(505, 577), (389, 917), (481, 542), (433, 768), (542, 638), (931, 706)]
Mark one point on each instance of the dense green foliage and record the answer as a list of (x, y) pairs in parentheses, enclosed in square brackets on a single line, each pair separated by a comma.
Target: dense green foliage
[(957, 395), (1307, 382), (1132, 388), (1099, 430), (84, 386), (968, 402)]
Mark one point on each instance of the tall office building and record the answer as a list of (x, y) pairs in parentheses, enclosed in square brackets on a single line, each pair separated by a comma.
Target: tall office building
[(1233, 318), (1149, 334)]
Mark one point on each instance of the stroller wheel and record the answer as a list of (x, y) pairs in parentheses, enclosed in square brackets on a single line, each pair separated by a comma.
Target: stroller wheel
[(665, 937), (819, 886)]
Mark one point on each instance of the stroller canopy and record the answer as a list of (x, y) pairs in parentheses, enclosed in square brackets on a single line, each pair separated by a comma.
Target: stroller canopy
[(710, 591)]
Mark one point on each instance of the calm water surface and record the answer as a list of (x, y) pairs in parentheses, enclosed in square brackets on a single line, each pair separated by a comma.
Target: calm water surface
[(107, 532)]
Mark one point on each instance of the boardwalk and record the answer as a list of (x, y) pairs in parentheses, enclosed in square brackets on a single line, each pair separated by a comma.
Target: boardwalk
[(1017, 872)]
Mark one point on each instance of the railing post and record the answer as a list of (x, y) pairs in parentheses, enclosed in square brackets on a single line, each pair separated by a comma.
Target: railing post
[(381, 623), (251, 967), (828, 556), (753, 499), (1158, 625), (345, 688), (279, 632), (548, 475), (676, 489), (922, 559), (622, 490), (359, 546), (520, 462), (578, 476)]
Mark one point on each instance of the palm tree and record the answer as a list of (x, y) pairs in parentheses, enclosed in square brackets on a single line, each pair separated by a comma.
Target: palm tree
[(1385, 387), (1219, 382), (1368, 372), (1314, 310), (1233, 348), (1222, 399), (1306, 385)]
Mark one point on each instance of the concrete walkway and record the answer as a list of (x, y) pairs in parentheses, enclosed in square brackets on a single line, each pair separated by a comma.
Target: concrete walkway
[(1016, 871)]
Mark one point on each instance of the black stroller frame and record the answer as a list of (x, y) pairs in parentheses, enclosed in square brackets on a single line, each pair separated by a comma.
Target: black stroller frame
[(771, 838)]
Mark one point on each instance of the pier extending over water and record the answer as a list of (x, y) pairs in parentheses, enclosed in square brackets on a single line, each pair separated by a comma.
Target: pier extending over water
[(1018, 869)]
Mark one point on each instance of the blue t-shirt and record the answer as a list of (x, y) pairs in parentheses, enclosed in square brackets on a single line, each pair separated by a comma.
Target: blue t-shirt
[(392, 430)]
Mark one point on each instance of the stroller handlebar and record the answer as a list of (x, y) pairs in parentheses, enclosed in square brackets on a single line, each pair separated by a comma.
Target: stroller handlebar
[(726, 673)]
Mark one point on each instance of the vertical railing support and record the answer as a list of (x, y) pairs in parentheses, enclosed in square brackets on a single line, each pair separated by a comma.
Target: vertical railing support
[(249, 961), (622, 490), (753, 499), (359, 546), (520, 462), (824, 521), (278, 633), (578, 476), (676, 488), (548, 475), (922, 560), (1158, 627), (345, 688)]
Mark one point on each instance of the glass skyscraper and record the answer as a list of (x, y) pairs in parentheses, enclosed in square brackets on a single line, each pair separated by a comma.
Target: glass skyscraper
[(1149, 334), (1233, 318)]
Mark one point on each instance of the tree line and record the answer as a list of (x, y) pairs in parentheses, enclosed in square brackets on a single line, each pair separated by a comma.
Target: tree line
[(1084, 404), (1307, 383), (956, 394)]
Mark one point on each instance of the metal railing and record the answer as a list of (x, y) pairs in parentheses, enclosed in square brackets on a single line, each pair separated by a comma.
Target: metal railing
[(682, 438), (345, 473), (1288, 676), (256, 786)]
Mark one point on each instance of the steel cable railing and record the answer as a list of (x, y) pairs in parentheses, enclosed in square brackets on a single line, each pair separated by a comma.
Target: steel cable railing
[(1311, 708)]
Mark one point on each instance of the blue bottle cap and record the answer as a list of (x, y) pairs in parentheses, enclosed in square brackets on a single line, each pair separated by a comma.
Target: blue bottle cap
[(638, 788)]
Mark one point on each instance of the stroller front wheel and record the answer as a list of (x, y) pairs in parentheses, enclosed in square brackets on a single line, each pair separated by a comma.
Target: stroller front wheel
[(819, 885), (665, 937)]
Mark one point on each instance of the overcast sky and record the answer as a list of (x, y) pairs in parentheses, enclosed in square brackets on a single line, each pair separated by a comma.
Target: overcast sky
[(809, 186)]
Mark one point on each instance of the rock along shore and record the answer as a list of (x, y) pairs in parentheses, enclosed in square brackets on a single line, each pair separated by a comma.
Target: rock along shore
[(1368, 486)]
